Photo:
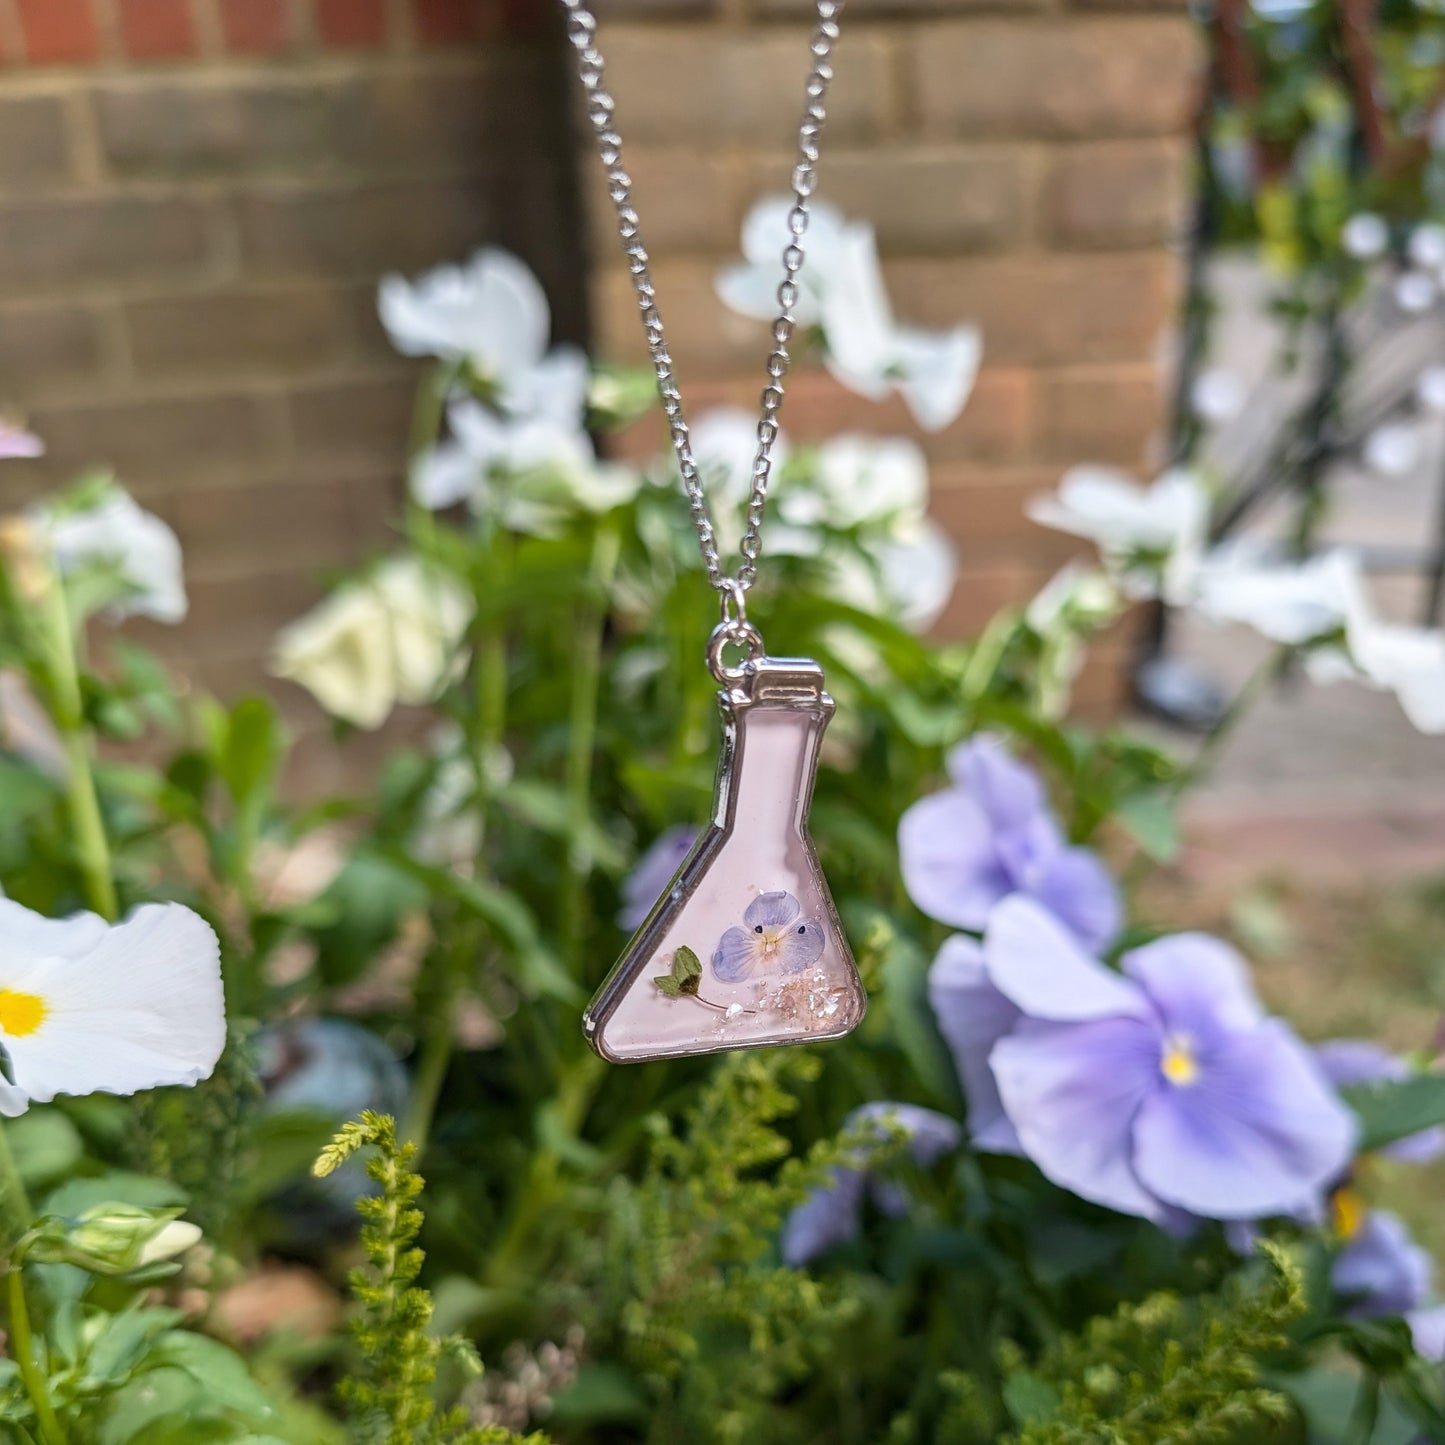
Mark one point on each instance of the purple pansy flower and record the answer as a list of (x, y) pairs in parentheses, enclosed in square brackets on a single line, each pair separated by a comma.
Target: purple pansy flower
[(1159, 1089), (1382, 1271), (1359, 1061), (832, 1214), (654, 871), (15, 441), (972, 1017), (991, 835), (773, 937)]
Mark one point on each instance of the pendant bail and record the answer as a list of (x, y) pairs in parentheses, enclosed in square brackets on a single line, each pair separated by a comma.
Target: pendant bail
[(733, 597)]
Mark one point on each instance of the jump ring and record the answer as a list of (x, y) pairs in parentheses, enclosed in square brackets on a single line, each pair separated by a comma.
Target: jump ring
[(736, 634)]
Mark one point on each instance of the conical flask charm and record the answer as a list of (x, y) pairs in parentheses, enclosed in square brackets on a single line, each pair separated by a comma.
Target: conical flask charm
[(744, 948)]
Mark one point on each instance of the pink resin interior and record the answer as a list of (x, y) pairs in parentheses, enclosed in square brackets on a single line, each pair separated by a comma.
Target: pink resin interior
[(764, 852)]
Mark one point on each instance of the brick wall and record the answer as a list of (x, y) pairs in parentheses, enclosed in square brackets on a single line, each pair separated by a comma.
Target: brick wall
[(1024, 163), (197, 198)]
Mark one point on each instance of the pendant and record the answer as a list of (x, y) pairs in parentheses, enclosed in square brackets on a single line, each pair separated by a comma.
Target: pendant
[(744, 949)]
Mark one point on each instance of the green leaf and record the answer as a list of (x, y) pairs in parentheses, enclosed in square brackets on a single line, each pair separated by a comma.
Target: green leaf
[(668, 985), (1150, 820), (250, 752), (1396, 1108), (46, 1145), (548, 809), (24, 792), (1028, 1398), (218, 1370), (686, 964), (141, 1190)]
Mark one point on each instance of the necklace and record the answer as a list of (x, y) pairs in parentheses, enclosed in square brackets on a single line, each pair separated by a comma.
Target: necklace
[(744, 948)]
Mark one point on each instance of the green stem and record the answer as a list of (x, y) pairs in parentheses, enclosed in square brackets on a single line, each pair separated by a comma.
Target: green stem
[(582, 737), (1243, 703), (23, 1352), (92, 849), (575, 1091), (15, 1211), (431, 1069)]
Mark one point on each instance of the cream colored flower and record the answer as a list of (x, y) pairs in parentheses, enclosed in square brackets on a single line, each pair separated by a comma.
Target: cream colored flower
[(389, 638), (89, 1007)]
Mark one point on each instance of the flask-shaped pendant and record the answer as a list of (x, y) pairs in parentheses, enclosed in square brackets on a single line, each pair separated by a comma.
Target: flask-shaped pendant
[(744, 948)]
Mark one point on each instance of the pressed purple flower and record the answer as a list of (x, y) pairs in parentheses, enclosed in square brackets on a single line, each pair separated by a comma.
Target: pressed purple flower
[(832, 1214), (772, 938), (1360, 1061), (654, 871), (1161, 1088), (1383, 1271), (991, 835)]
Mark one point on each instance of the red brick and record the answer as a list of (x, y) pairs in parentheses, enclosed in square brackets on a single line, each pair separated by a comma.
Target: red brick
[(1050, 310), (255, 27), (1110, 75), (57, 31), (356, 23), (449, 22), (1107, 414), (1115, 193), (157, 29)]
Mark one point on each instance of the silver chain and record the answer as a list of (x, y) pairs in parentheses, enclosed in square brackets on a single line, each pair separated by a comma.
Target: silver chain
[(601, 108)]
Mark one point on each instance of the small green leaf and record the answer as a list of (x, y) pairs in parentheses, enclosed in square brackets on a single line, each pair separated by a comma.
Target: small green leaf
[(685, 964), (1396, 1108), (1150, 819), (667, 984)]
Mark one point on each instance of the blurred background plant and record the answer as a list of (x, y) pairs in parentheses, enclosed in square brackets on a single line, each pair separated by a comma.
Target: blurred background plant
[(1068, 1181)]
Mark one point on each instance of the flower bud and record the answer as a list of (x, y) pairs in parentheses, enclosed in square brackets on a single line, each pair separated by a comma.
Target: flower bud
[(111, 1239)]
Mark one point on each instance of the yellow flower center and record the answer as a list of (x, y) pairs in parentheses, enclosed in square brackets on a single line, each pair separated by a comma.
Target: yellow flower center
[(1348, 1210), (1178, 1064), (21, 1013)]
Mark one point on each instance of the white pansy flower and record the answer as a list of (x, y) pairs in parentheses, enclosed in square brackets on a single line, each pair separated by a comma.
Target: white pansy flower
[(533, 471), (1218, 395), (1392, 450), (1415, 293), (1427, 247), (1324, 601), (870, 353), (1389, 656), (860, 481), (391, 637), (111, 533), (89, 1007), (841, 289), (1430, 389), (908, 574), (492, 313), (1287, 602), (724, 442), (1151, 538), (1365, 236), (1408, 661), (750, 286)]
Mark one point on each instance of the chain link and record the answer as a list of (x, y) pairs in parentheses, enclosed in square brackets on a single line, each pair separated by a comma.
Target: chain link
[(601, 112)]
